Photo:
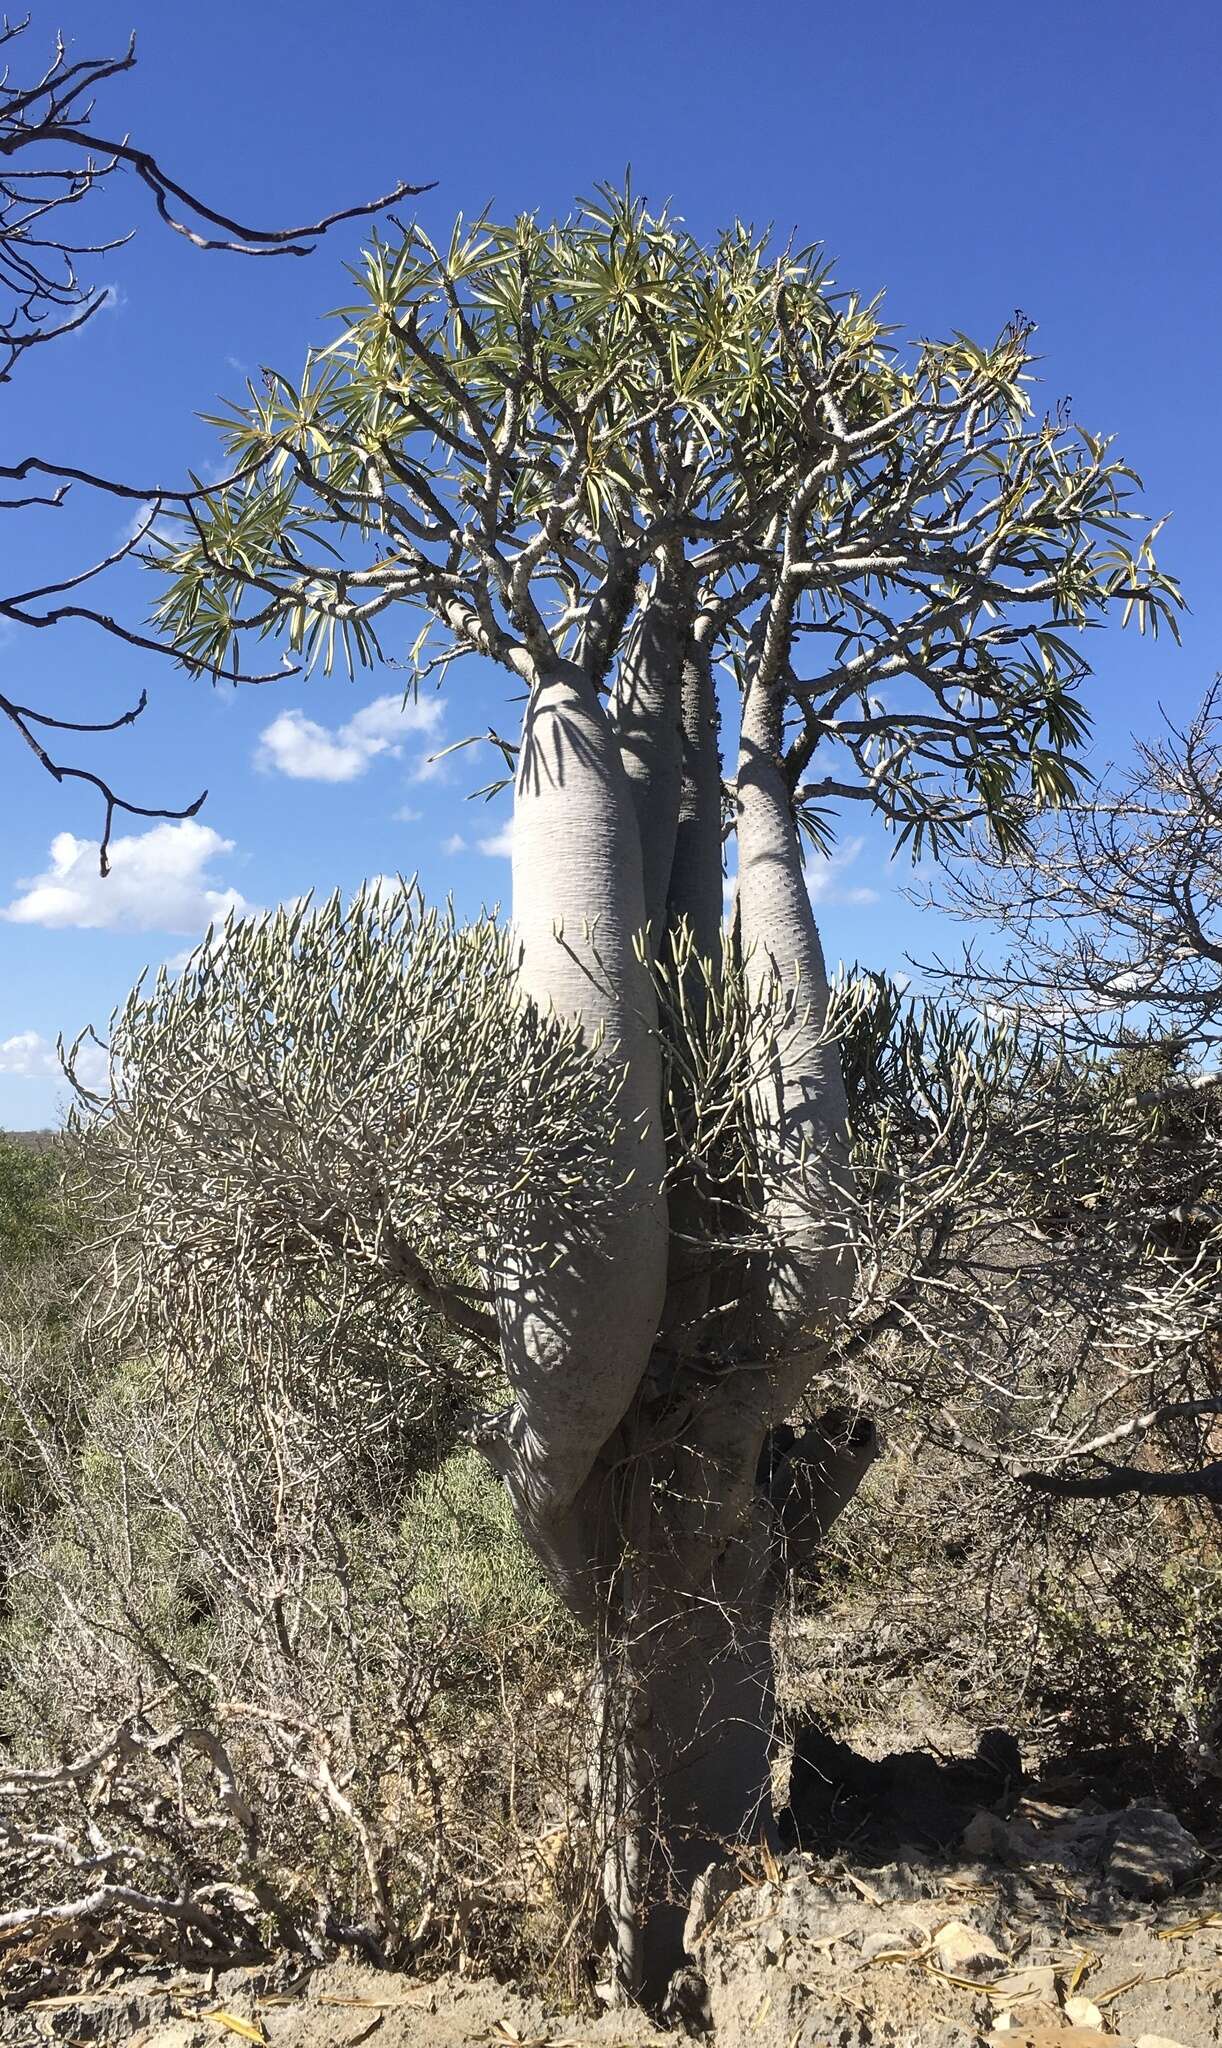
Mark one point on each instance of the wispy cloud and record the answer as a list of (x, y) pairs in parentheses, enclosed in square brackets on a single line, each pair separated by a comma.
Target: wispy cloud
[(454, 844), (499, 842), (825, 880), (28, 1056), (300, 748), (160, 880), (431, 768)]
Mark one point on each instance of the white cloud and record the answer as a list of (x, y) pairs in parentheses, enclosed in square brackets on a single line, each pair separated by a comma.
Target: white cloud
[(159, 881), (825, 881), (384, 890), (299, 747), (141, 527), (28, 1056), (384, 722), (454, 844), (406, 815), (500, 842), (432, 768), (294, 745)]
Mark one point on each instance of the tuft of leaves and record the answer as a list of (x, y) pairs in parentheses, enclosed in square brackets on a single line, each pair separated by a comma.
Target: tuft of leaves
[(511, 431)]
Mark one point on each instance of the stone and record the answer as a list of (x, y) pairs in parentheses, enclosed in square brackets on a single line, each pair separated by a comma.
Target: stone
[(1150, 1853), (889, 1941), (987, 1837), (1054, 2036), (1037, 1982), (1083, 2012), (964, 1951), (1020, 2024)]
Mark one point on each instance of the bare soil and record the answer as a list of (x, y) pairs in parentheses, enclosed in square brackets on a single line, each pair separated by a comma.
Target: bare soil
[(340, 2006), (927, 1902)]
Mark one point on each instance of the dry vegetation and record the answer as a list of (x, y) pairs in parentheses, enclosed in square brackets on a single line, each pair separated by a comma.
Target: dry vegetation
[(280, 1681), (279, 1677)]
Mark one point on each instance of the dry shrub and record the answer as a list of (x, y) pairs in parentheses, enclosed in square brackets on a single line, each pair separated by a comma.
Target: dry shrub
[(948, 1599), (270, 1684)]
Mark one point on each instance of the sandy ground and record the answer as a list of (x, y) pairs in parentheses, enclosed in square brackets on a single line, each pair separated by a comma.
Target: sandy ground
[(339, 2007)]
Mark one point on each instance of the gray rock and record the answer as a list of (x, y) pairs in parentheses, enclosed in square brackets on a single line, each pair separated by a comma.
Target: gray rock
[(987, 1837), (887, 1941), (1151, 1853), (966, 1951)]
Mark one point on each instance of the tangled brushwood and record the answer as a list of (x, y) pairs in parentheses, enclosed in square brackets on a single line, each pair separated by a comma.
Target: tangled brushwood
[(300, 1696), (327, 1126)]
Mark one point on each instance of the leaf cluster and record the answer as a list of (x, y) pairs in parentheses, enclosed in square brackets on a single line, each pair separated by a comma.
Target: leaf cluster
[(512, 433)]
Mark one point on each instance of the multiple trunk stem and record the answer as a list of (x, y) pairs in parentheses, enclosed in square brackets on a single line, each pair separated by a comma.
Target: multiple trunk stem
[(635, 1451)]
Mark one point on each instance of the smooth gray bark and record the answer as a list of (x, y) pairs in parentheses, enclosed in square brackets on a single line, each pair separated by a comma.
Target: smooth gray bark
[(577, 1326), (634, 1447), (646, 712)]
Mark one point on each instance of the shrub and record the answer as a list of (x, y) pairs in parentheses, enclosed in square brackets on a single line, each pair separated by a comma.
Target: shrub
[(296, 1670)]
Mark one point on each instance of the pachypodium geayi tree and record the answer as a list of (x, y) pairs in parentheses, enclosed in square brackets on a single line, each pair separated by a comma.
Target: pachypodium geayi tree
[(621, 464)]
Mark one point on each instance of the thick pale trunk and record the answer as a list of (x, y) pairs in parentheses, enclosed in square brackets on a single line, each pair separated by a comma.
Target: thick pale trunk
[(694, 894), (578, 1321), (646, 713), (686, 1684), (801, 1107), (648, 1499), (694, 907)]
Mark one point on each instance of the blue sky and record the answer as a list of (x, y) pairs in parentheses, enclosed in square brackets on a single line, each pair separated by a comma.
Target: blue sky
[(969, 159)]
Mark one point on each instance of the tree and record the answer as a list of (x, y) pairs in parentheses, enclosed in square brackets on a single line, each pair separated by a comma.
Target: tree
[(27, 1200), (1112, 922), (1113, 914), (52, 160), (619, 465)]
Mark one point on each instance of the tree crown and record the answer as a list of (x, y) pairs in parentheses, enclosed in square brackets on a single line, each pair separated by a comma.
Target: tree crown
[(519, 433)]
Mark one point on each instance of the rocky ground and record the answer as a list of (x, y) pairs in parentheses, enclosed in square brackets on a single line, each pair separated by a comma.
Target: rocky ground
[(926, 1903), (1056, 1926)]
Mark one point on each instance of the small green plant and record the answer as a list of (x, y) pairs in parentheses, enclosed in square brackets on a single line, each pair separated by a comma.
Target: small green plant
[(1136, 1656), (467, 1552)]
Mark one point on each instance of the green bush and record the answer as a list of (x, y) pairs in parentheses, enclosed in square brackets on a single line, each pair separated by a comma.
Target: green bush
[(466, 1551), (30, 1211), (1133, 1653)]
